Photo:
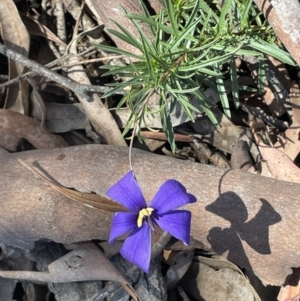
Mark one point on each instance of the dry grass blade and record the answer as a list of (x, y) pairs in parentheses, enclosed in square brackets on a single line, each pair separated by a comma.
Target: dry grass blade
[(91, 200)]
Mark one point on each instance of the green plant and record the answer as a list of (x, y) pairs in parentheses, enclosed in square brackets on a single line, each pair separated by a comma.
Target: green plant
[(193, 39)]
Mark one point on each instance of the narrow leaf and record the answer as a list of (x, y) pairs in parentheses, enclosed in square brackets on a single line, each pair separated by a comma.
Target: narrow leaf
[(223, 97), (171, 14), (234, 83)]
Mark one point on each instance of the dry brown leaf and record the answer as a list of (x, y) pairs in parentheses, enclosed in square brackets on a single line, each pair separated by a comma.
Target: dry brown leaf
[(206, 283), (62, 118), (280, 165), (240, 156), (291, 288), (84, 264), (16, 37), (15, 126)]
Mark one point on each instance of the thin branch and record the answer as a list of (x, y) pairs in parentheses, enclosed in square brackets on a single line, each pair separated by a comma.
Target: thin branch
[(88, 88), (78, 89), (32, 73)]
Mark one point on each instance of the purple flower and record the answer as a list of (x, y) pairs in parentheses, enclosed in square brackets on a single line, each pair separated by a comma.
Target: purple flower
[(140, 218)]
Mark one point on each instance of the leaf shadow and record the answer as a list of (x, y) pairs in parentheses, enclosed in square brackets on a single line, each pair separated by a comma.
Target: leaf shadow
[(254, 232)]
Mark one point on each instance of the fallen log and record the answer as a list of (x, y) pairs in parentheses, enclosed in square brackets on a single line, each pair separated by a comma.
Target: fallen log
[(284, 18), (252, 220)]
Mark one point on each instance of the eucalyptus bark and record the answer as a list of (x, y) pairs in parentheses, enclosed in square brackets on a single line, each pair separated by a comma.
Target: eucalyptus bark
[(251, 219)]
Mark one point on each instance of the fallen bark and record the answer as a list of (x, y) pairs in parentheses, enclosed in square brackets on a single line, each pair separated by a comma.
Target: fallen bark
[(251, 219), (284, 17)]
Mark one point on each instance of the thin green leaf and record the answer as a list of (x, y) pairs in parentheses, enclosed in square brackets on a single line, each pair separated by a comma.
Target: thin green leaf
[(223, 97), (151, 22), (187, 110), (193, 14), (188, 107), (183, 91), (112, 91), (272, 50), (185, 75), (234, 83), (125, 38), (213, 61), (127, 34), (183, 35), (208, 71), (166, 122), (206, 9), (117, 50), (205, 25), (148, 59), (204, 102), (245, 14), (222, 24), (170, 10), (117, 70)]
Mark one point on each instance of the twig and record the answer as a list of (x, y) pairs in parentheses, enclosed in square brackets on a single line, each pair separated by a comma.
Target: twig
[(160, 245), (32, 73), (78, 89), (162, 136), (99, 59)]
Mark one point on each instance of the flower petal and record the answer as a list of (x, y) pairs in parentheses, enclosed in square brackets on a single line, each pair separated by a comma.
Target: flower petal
[(171, 195), (128, 193), (122, 223), (137, 247), (177, 223)]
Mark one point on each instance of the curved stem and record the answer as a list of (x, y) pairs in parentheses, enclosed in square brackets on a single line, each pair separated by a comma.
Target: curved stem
[(137, 116)]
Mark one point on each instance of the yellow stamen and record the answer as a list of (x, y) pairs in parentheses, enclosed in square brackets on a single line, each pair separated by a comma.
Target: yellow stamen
[(144, 212)]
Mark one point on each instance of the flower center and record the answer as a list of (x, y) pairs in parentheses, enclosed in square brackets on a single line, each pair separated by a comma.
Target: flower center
[(143, 213)]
